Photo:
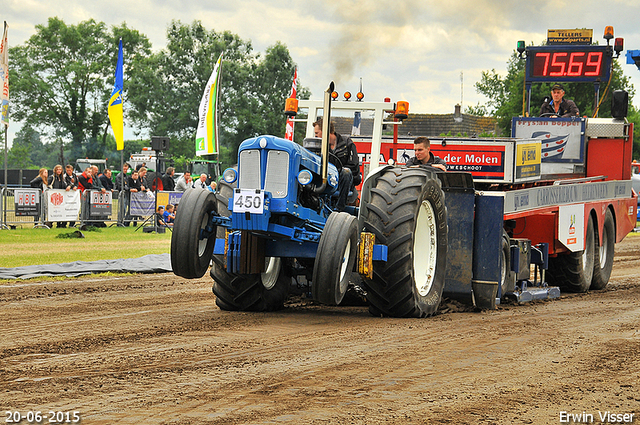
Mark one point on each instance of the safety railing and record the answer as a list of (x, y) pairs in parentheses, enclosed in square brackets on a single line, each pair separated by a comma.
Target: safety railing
[(29, 207)]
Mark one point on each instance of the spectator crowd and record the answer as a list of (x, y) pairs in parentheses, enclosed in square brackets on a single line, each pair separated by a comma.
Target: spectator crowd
[(139, 180)]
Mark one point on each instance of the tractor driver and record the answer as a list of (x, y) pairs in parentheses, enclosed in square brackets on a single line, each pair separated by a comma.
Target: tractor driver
[(344, 156), (557, 106), (422, 148)]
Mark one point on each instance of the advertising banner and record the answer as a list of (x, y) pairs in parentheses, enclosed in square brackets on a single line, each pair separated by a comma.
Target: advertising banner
[(485, 161), (62, 205), (100, 203), (562, 138), (528, 160), (165, 198), (142, 203), (27, 202)]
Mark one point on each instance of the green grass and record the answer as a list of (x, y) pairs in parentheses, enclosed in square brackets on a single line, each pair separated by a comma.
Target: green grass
[(25, 247)]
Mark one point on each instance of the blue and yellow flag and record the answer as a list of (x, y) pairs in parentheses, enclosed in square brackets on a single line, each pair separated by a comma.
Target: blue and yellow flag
[(115, 104), (207, 131)]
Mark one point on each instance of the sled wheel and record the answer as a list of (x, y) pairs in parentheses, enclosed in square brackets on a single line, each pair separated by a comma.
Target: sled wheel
[(193, 238), (604, 253), (335, 258), (572, 272), (507, 277), (252, 292), (407, 213)]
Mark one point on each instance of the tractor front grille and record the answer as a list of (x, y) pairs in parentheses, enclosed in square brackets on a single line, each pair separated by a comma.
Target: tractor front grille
[(276, 175), (249, 167)]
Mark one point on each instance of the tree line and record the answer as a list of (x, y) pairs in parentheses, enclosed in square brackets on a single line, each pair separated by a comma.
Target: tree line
[(63, 75)]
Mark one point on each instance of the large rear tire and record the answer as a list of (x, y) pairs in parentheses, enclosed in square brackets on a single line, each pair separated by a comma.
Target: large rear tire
[(193, 240), (252, 292), (335, 258), (573, 272), (603, 263), (407, 213)]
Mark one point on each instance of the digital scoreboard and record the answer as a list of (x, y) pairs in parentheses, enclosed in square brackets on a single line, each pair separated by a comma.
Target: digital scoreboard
[(573, 63)]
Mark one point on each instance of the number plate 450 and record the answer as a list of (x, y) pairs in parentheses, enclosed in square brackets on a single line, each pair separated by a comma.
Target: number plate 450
[(248, 200)]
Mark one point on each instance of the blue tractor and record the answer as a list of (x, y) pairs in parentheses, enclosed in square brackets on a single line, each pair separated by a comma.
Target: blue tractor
[(273, 219)]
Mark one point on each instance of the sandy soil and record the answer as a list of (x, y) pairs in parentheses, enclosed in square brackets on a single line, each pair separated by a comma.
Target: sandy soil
[(154, 349)]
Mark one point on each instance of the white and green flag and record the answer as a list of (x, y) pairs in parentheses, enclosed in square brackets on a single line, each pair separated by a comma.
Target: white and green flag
[(207, 131)]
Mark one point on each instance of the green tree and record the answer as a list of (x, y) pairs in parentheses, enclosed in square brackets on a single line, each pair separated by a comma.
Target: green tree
[(634, 117), (27, 149), (166, 96), (506, 94), (63, 76)]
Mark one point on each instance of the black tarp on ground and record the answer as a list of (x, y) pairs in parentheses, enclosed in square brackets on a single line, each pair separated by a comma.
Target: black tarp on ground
[(152, 263)]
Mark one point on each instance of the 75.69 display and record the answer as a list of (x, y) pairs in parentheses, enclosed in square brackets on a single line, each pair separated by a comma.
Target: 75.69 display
[(579, 63)]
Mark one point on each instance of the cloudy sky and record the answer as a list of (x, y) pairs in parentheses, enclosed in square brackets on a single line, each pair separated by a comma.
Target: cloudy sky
[(430, 53)]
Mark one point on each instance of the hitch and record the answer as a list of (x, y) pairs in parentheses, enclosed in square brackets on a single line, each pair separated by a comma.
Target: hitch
[(522, 255)]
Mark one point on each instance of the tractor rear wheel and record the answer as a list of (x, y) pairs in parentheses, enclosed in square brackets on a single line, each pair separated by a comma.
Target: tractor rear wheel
[(335, 258), (573, 272), (407, 213), (603, 263), (252, 292), (193, 240)]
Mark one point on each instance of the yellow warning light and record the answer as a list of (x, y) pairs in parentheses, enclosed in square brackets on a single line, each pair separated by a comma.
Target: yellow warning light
[(402, 110), (360, 95), (608, 32), (347, 95), (291, 107), (334, 95)]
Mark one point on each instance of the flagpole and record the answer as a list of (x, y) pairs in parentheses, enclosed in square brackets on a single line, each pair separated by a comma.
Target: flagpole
[(6, 143), (4, 99)]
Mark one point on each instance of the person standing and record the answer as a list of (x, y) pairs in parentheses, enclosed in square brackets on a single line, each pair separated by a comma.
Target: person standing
[(85, 180), (135, 185), (168, 184), (41, 182), (57, 181), (122, 186), (142, 174), (72, 183), (201, 183), (70, 178), (97, 185), (105, 180), (184, 182)]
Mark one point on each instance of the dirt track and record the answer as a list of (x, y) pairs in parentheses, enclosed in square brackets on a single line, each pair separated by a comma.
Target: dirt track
[(155, 349)]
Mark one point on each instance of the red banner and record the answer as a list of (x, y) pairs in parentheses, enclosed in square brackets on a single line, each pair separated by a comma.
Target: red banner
[(294, 87)]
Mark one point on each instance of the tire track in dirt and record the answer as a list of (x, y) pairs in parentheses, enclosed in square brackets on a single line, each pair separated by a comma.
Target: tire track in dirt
[(157, 350)]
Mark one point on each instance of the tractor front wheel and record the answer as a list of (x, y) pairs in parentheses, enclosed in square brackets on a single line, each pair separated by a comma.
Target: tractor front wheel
[(193, 238), (335, 259)]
